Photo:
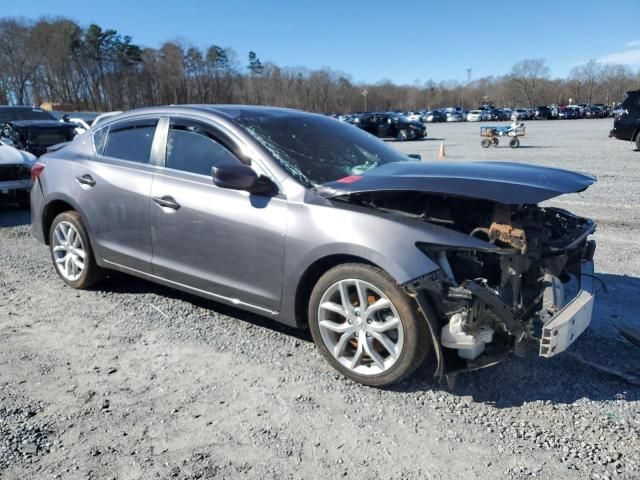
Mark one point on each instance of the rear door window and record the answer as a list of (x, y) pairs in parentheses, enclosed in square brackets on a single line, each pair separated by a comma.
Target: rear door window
[(130, 140)]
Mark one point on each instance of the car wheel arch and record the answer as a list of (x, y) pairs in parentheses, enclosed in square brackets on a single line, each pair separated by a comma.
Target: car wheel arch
[(310, 277), (53, 208)]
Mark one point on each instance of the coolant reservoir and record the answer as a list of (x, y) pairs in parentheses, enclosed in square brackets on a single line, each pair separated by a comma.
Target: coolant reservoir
[(468, 344)]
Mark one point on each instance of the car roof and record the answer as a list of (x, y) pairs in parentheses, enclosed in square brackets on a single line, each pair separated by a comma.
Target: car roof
[(228, 112)]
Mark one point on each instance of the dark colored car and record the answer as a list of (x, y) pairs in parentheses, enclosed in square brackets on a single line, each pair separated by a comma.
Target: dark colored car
[(315, 223), (626, 123), (603, 109), (392, 125), (568, 113), (543, 113), (32, 129), (436, 116)]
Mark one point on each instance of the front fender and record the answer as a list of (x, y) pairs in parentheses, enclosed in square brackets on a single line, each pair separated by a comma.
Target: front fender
[(389, 241)]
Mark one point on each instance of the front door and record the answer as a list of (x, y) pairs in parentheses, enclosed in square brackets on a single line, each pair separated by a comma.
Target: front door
[(224, 242)]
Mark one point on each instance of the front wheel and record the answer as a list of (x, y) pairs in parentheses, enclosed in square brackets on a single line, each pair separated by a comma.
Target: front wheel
[(366, 326), (402, 135), (71, 251), (514, 143)]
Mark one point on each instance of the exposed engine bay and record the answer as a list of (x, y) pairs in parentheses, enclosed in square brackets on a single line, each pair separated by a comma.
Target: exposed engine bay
[(492, 301), (37, 136)]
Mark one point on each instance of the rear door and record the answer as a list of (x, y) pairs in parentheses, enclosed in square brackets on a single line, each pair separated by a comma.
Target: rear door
[(113, 191), (227, 243)]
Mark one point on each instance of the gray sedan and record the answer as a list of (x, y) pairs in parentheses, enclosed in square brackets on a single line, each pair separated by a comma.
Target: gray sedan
[(387, 260)]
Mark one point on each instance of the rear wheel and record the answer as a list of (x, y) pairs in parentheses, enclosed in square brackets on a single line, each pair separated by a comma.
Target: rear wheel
[(366, 326), (514, 143), (71, 251), (485, 142)]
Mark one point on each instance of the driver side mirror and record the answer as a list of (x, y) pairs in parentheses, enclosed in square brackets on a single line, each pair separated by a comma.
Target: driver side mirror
[(242, 177)]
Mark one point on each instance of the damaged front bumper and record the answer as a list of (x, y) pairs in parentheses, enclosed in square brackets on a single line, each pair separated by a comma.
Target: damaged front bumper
[(569, 320)]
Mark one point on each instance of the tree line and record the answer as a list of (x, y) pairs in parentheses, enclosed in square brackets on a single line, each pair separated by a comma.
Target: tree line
[(92, 68)]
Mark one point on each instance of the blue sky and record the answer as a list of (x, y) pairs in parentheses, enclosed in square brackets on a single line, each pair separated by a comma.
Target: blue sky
[(375, 40)]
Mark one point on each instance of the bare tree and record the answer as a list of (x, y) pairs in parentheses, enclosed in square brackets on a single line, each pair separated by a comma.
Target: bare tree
[(98, 68), (528, 75)]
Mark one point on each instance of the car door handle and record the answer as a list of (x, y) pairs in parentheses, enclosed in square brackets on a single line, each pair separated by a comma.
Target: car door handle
[(167, 202), (86, 179)]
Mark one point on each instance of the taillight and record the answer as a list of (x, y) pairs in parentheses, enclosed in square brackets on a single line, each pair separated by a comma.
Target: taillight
[(36, 171)]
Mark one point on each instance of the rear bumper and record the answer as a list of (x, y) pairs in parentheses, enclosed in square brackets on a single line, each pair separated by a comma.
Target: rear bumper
[(37, 206), (572, 318)]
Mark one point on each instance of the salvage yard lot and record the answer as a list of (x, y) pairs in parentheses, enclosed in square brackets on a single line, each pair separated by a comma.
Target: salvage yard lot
[(132, 380)]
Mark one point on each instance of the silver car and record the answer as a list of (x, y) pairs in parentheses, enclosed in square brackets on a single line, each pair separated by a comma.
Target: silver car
[(389, 261)]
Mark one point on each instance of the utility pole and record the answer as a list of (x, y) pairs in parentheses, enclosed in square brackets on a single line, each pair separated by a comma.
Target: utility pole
[(468, 75), (364, 93)]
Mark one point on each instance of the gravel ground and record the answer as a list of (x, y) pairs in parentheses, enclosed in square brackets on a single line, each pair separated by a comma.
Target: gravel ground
[(136, 381)]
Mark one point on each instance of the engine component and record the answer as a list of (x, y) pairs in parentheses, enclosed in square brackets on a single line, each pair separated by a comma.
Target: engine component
[(509, 235), (468, 344)]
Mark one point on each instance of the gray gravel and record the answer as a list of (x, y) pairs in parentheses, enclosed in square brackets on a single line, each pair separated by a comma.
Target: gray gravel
[(133, 380)]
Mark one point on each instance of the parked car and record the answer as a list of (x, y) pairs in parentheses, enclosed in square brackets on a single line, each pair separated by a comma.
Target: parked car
[(478, 116), (454, 116), (626, 124), (520, 114), (413, 116), (32, 129), (15, 173), (436, 116), (384, 258), (602, 108), (568, 113), (543, 113), (392, 125)]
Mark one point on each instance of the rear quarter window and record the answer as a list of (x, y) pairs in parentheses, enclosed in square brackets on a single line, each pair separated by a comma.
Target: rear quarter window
[(99, 139)]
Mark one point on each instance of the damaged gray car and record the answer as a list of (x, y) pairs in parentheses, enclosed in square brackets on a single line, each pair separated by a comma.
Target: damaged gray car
[(390, 262)]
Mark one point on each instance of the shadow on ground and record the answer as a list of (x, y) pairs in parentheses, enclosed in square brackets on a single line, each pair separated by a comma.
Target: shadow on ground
[(12, 216), (516, 381), (562, 379)]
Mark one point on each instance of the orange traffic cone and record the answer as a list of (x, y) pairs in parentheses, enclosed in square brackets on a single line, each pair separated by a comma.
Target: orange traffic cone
[(442, 153)]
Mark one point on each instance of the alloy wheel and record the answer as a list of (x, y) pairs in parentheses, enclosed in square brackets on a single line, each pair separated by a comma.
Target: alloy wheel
[(68, 251), (360, 327)]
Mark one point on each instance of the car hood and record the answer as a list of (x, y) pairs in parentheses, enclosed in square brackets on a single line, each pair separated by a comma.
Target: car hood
[(503, 182), (42, 124), (12, 156)]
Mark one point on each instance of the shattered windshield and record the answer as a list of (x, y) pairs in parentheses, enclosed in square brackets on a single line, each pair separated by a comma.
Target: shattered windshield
[(317, 149)]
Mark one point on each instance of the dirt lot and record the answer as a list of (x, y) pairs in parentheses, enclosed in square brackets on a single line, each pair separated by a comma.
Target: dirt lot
[(135, 381)]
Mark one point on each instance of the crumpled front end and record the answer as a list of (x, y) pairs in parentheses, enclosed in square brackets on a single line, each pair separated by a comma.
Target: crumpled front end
[(530, 278), (494, 302)]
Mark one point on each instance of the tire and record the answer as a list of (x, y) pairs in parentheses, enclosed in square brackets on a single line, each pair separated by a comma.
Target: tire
[(65, 251), (514, 143), (402, 135), (396, 321), (495, 141), (485, 142)]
